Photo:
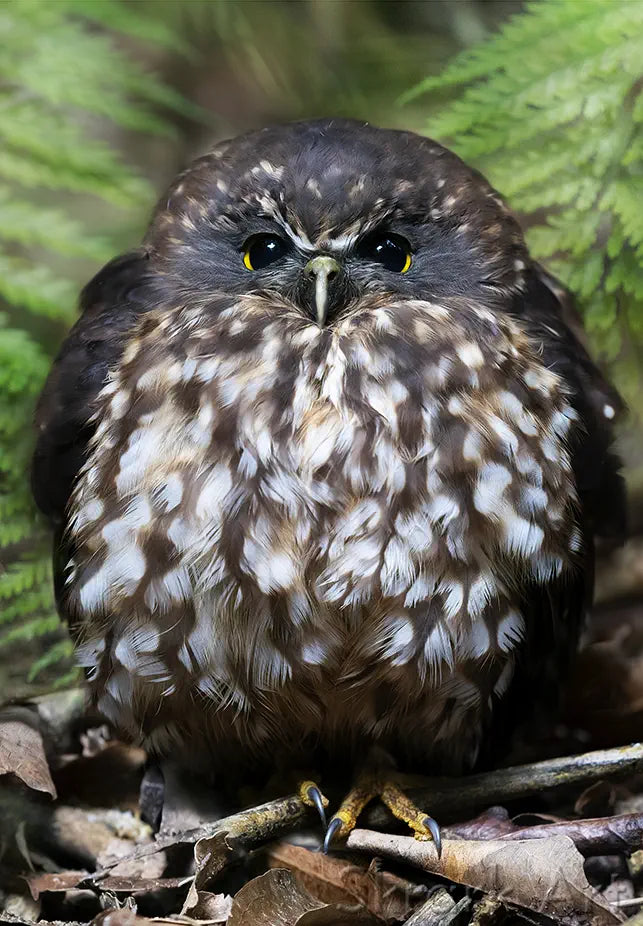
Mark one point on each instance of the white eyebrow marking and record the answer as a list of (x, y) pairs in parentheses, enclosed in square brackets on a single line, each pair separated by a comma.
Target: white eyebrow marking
[(299, 238), (340, 244)]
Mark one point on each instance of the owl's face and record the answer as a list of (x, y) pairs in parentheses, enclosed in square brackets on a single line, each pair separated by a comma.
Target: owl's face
[(325, 213)]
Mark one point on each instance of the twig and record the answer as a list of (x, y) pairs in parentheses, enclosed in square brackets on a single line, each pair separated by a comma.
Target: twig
[(629, 902), (248, 829), (449, 796)]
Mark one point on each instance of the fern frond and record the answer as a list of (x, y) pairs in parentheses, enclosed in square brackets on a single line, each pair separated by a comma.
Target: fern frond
[(29, 225), (550, 110), (62, 651), (63, 80)]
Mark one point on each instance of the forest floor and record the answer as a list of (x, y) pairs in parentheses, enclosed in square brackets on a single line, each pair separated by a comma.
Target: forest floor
[(546, 841)]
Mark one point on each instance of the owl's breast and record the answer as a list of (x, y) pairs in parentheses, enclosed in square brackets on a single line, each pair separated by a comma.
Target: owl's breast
[(276, 505)]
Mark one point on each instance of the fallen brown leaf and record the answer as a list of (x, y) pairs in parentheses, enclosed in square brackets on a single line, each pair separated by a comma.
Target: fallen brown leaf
[(209, 908), (121, 916), (134, 885), (622, 833), (545, 876), (599, 836), (276, 899), (54, 881), (332, 879), (440, 910), (597, 800), (490, 824), (22, 752), (246, 830)]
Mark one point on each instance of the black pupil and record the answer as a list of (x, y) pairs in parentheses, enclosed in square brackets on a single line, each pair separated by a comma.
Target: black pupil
[(387, 250), (265, 249)]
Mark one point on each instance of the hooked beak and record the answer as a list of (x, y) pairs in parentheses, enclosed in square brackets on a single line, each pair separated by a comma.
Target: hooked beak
[(323, 269)]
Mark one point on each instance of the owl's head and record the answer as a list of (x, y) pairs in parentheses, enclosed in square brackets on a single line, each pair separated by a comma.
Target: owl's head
[(323, 213)]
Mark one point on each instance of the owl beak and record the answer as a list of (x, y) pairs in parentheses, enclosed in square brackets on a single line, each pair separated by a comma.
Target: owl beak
[(323, 269)]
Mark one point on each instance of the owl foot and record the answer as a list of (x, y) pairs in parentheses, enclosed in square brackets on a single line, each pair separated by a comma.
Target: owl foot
[(310, 794), (369, 786)]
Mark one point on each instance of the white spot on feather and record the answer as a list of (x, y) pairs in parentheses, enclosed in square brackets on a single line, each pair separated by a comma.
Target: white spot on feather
[(439, 647), (511, 631), (214, 492), (89, 513), (170, 492), (493, 480), (477, 642), (314, 653), (521, 536), (471, 355), (472, 445)]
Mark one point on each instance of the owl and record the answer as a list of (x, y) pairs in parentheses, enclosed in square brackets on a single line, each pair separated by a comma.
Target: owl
[(326, 458)]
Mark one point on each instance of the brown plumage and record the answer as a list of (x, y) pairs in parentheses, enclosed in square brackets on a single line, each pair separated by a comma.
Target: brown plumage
[(291, 516)]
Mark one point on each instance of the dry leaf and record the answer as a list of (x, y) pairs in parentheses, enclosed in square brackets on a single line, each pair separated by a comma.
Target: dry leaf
[(134, 885), (276, 899), (273, 899), (332, 879), (441, 910), (20, 907), (544, 875), (209, 908), (55, 881), (243, 831), (490, 824), (598, 836), (21, 750), (121, 916)]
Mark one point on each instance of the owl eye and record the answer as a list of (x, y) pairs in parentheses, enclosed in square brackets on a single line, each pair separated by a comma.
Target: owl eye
[(262, 250), (391, 251)]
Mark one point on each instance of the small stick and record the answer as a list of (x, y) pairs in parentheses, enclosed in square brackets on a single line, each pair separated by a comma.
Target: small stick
[(249, 829), (447, 797)]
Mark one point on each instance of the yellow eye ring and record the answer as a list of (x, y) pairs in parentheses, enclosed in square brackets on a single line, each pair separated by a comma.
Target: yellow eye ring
[(407, 263), (247, 263)]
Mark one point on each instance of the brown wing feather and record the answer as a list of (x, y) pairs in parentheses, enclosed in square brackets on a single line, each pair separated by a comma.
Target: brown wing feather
[(110, 305), (555, 613)]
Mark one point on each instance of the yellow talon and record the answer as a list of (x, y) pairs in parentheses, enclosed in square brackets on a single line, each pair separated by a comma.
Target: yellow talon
[(310, 795), (386, 787), (348, 820)]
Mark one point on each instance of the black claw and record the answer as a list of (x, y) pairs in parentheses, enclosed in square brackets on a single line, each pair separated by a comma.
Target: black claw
[(333, 827), (434, 830), (314, 794)]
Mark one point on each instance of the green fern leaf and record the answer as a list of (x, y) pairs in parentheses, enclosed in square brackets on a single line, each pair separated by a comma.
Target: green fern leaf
[(550, 109), (63, 80)]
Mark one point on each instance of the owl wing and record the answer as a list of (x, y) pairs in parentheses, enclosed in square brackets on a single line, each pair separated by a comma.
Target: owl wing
[(110, 305), (555, 613), (548, 313)]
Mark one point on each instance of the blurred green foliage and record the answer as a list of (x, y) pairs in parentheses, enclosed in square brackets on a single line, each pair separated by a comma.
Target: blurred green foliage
[(551, 111), (547, 104), (61, 81)]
